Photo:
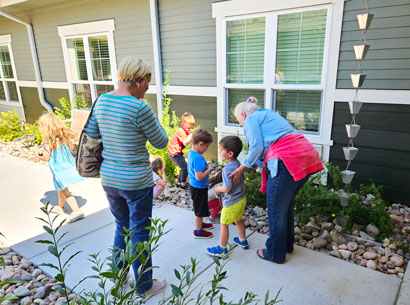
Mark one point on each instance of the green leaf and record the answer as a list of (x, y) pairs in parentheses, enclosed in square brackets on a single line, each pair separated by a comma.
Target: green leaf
[(71, 257), (3, 262), (53, 250), (110, 275), (43, 241), (49, 265), (48, 230), (59, 277), (176, 291), (177, 275)]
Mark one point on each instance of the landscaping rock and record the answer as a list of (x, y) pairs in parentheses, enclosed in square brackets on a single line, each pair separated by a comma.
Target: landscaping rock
[(370, 255), (336, 253), (306, 236), (397, 260), (366, 236), (371, 264), (22, 292), (41, 292), (337, 238), (345, 254), (352, 246), (372, 230), (319, 242), (26, 301)]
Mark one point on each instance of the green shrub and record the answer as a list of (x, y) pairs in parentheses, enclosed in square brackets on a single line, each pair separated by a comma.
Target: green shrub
[(13, 127), (373, 212), (79, 102), (10, 126), (252, 186), (170, 123)]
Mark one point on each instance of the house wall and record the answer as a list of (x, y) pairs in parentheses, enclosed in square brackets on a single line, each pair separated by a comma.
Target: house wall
[(20, 48), (387, 63), (132, 35), (384, 147), (188, 41)]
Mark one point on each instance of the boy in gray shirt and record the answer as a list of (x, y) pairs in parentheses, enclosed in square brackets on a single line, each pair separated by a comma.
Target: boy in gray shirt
[(233, 197)]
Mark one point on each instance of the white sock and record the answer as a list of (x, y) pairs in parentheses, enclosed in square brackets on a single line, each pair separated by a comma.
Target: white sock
[(242, 239), (222, 247)]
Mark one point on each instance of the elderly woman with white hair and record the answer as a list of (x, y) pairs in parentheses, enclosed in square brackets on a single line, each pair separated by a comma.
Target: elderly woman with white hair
[(288, 161), (125, 123)]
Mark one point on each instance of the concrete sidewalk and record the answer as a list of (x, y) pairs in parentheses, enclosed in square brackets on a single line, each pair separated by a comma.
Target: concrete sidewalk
[(308, 277)]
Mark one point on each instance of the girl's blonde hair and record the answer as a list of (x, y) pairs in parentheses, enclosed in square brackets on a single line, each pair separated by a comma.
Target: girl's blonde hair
[(247, 107), (54, 131), (132, 69)]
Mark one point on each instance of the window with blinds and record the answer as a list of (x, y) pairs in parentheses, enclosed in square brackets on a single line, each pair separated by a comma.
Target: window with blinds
[(236, 96), (77, 61), (8, 86), (100, 58), (89, 62), (299, 48), (293, 64), (245, 48)]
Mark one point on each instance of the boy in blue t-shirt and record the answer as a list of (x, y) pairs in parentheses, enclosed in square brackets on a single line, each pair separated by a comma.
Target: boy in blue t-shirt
[(198, 171), (233, 197)]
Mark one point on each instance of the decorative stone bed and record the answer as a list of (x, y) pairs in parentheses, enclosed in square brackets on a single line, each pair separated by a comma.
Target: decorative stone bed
[(357, 247)]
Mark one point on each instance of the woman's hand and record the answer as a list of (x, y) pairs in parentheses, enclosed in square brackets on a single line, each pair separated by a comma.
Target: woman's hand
[(236, 175)]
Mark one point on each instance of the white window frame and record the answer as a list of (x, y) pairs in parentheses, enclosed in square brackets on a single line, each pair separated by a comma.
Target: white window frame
[(240, 9), (84, 31), (5, 40)]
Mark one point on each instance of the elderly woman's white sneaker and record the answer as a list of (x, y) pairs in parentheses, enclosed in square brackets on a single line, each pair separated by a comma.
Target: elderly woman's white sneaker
[(157, 287)]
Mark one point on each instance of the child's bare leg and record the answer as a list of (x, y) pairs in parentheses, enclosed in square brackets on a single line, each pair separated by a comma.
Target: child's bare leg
[(223, 239), (198, 223), (61, 199), (240, 225), (72, 202)]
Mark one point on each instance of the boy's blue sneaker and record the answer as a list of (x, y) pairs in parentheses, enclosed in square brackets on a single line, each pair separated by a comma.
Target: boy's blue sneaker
[(244, 244), (217, 251)]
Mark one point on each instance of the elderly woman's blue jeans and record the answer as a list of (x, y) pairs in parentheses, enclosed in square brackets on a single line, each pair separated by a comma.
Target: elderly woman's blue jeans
[(132, 210), (281, 191)]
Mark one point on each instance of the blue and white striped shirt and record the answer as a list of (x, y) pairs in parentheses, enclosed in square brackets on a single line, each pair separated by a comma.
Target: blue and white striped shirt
[(125, 124)]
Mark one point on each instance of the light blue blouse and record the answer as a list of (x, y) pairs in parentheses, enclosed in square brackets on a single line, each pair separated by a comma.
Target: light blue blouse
[(263, 128)]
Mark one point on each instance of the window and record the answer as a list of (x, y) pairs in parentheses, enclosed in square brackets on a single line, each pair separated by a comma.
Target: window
[(89, 56), (278, 58), (8, 82)]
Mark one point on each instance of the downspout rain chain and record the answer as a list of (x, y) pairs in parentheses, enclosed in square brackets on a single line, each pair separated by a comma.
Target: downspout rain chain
[(33, 56), (358, 78)]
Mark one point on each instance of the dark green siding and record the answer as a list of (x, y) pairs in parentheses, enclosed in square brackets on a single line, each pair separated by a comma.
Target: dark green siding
[(387, 63), (204, 111), (384, 147)]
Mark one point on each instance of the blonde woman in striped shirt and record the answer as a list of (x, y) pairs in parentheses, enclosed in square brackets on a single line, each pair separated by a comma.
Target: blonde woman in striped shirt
[(125, 123)]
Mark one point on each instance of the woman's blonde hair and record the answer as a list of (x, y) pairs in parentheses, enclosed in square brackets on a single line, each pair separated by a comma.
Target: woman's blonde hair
[(54, 131), (247, 107), (187, 118), (132, 69)]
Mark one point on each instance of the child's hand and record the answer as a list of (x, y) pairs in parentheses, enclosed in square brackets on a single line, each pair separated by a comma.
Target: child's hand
[(189, 137)]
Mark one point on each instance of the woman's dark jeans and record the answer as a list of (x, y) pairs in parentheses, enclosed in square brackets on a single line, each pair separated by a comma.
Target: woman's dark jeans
[(281, 191), (132, 210), (179, 160)]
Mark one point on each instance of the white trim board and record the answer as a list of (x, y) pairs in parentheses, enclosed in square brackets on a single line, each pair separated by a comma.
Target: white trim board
[(87, 28), (5, 38), (193, 91), (48, 85), (246, 7), (401, 97), (4, 3)]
